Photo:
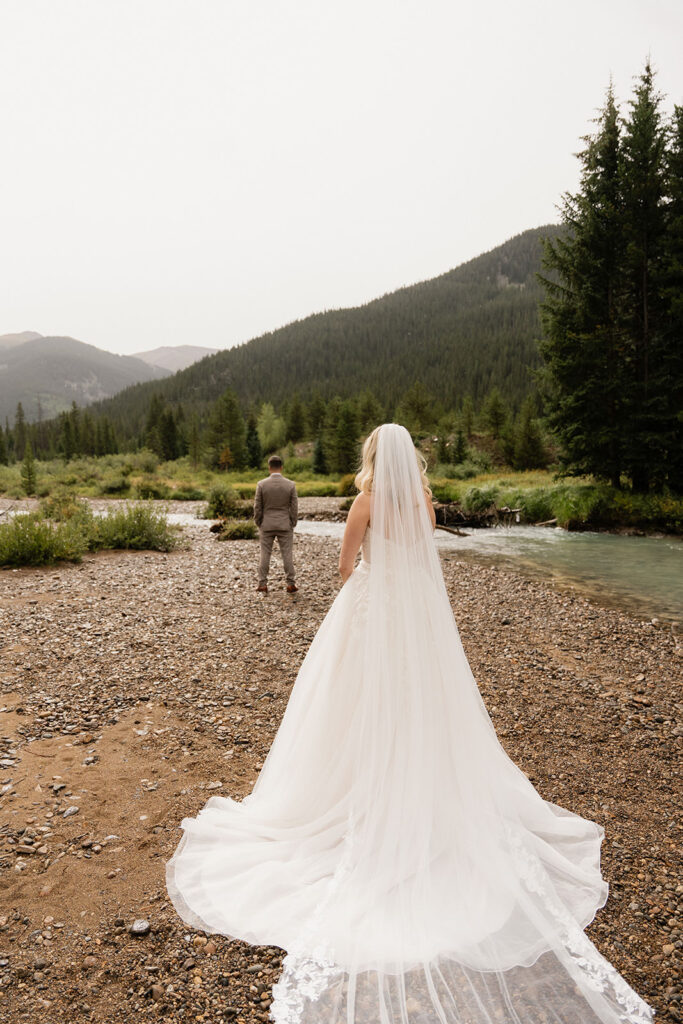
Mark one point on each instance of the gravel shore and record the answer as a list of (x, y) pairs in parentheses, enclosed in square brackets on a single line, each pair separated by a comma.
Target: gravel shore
[(135, 685)]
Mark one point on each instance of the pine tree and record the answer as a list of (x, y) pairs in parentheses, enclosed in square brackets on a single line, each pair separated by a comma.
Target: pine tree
[(169, 441), (494, 412), (467, 415), (370, 412), (296, 421), (529, 451), (416, 410), (4, 454), (28, 468), (346, 447), (227, 430), (584, 340), (459, 449), (643, 185), (254, 452), (194, 442), (670, 363), (19, 432), (315, 413), (66, 437), (319, 460)]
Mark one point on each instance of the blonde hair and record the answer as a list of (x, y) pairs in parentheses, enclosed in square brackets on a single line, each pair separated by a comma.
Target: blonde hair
[(365, 474)]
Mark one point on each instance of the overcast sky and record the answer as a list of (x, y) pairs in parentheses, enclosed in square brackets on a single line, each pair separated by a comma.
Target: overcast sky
[(201, 171)]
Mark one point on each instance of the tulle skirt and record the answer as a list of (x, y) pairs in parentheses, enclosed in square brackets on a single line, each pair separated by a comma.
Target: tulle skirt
[(407, 866)]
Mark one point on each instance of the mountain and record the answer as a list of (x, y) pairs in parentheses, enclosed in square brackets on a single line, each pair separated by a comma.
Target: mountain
[(175, 357), (10, 340), (460, 333), (57, 371)]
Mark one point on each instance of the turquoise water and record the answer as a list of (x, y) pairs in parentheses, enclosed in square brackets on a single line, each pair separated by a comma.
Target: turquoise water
[(642, 574)]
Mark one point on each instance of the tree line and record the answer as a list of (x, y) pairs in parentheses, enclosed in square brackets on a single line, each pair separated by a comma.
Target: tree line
[(230, 437)]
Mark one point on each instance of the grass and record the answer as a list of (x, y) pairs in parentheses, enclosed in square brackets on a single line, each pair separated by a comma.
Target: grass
[(65, 528)]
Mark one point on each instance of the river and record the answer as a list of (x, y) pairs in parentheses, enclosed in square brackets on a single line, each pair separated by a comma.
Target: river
[(641, 574)]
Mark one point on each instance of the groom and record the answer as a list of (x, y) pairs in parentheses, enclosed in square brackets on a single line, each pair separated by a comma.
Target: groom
[(276, 513)]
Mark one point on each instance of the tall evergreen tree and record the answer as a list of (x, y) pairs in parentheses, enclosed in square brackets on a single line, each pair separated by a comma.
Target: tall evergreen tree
[(227, 431), (296, 420), (671, 351), (194, 441), (642, 305), (467, 415), (529, 451), (584, 340), (254, 452), (346, 447), (19, 432), (28, 468), (4, 454), (315, 413), (494, 411), (319, 460)]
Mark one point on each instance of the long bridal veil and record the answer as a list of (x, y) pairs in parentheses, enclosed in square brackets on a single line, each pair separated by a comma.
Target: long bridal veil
[(408, 867)]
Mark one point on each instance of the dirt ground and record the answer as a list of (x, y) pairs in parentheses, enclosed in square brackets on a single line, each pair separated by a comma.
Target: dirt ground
[(135, 685)]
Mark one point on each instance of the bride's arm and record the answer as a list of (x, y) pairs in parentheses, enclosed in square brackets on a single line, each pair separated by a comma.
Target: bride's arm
[(356, 525), (430, 510)]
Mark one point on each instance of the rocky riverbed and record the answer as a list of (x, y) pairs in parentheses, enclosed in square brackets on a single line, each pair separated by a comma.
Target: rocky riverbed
[(135, 685)]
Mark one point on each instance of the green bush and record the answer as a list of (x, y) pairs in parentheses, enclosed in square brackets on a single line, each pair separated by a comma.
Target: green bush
[(187, 494), (151, 489), (27, 539), (238, 529), (347, 485), (115, 483), (223, 501), (62, 506), (136, 527), (478, 499)]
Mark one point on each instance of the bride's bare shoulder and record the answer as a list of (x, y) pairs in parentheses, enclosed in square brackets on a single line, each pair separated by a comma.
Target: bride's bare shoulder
[(361, 506)]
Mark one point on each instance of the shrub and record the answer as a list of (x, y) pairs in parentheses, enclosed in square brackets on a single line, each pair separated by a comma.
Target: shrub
[(478, 499), (238, 529), (145, 461), (62, 506), (136, 527), (150, 489), (26, 539), (223, 501), (115, 483), (347, 486), (187, 494)]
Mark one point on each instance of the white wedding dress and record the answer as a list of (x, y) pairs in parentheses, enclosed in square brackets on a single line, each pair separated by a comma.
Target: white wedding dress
[(407, 866)]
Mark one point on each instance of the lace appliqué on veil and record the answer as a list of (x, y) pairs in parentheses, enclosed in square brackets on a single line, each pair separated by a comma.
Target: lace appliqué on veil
[(308, 970), (597, 972)]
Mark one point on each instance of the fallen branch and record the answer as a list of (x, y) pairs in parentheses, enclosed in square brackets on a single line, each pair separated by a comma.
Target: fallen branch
[(453, 530)]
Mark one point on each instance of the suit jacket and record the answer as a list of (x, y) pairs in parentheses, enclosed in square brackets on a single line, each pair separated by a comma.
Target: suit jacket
[(275, 505)]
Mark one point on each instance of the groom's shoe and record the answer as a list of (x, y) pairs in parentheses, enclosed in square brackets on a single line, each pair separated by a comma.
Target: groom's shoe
[(262, 588), (291, 588)]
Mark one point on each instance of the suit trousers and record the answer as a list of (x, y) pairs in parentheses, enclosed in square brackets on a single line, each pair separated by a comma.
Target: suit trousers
[(285, 539)]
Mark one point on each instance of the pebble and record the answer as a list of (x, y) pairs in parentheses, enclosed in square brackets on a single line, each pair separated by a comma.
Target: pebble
[(140, 927)]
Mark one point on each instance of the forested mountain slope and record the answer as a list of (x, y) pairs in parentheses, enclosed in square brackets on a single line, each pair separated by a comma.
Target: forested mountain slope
[(463, 332)]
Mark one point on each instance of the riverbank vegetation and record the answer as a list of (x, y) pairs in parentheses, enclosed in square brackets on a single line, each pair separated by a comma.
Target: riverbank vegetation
[(64, 528)]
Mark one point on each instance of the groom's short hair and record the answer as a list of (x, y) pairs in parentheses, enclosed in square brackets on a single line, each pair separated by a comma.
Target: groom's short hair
[(274, 462)]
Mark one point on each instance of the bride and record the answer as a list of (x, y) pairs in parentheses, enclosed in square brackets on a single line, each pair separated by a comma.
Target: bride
[(407, 866)]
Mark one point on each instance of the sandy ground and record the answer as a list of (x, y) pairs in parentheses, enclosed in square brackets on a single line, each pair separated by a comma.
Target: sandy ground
[(135, 685)]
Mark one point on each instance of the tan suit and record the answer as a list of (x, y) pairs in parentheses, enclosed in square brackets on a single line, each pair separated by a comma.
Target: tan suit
[(276, 511)]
